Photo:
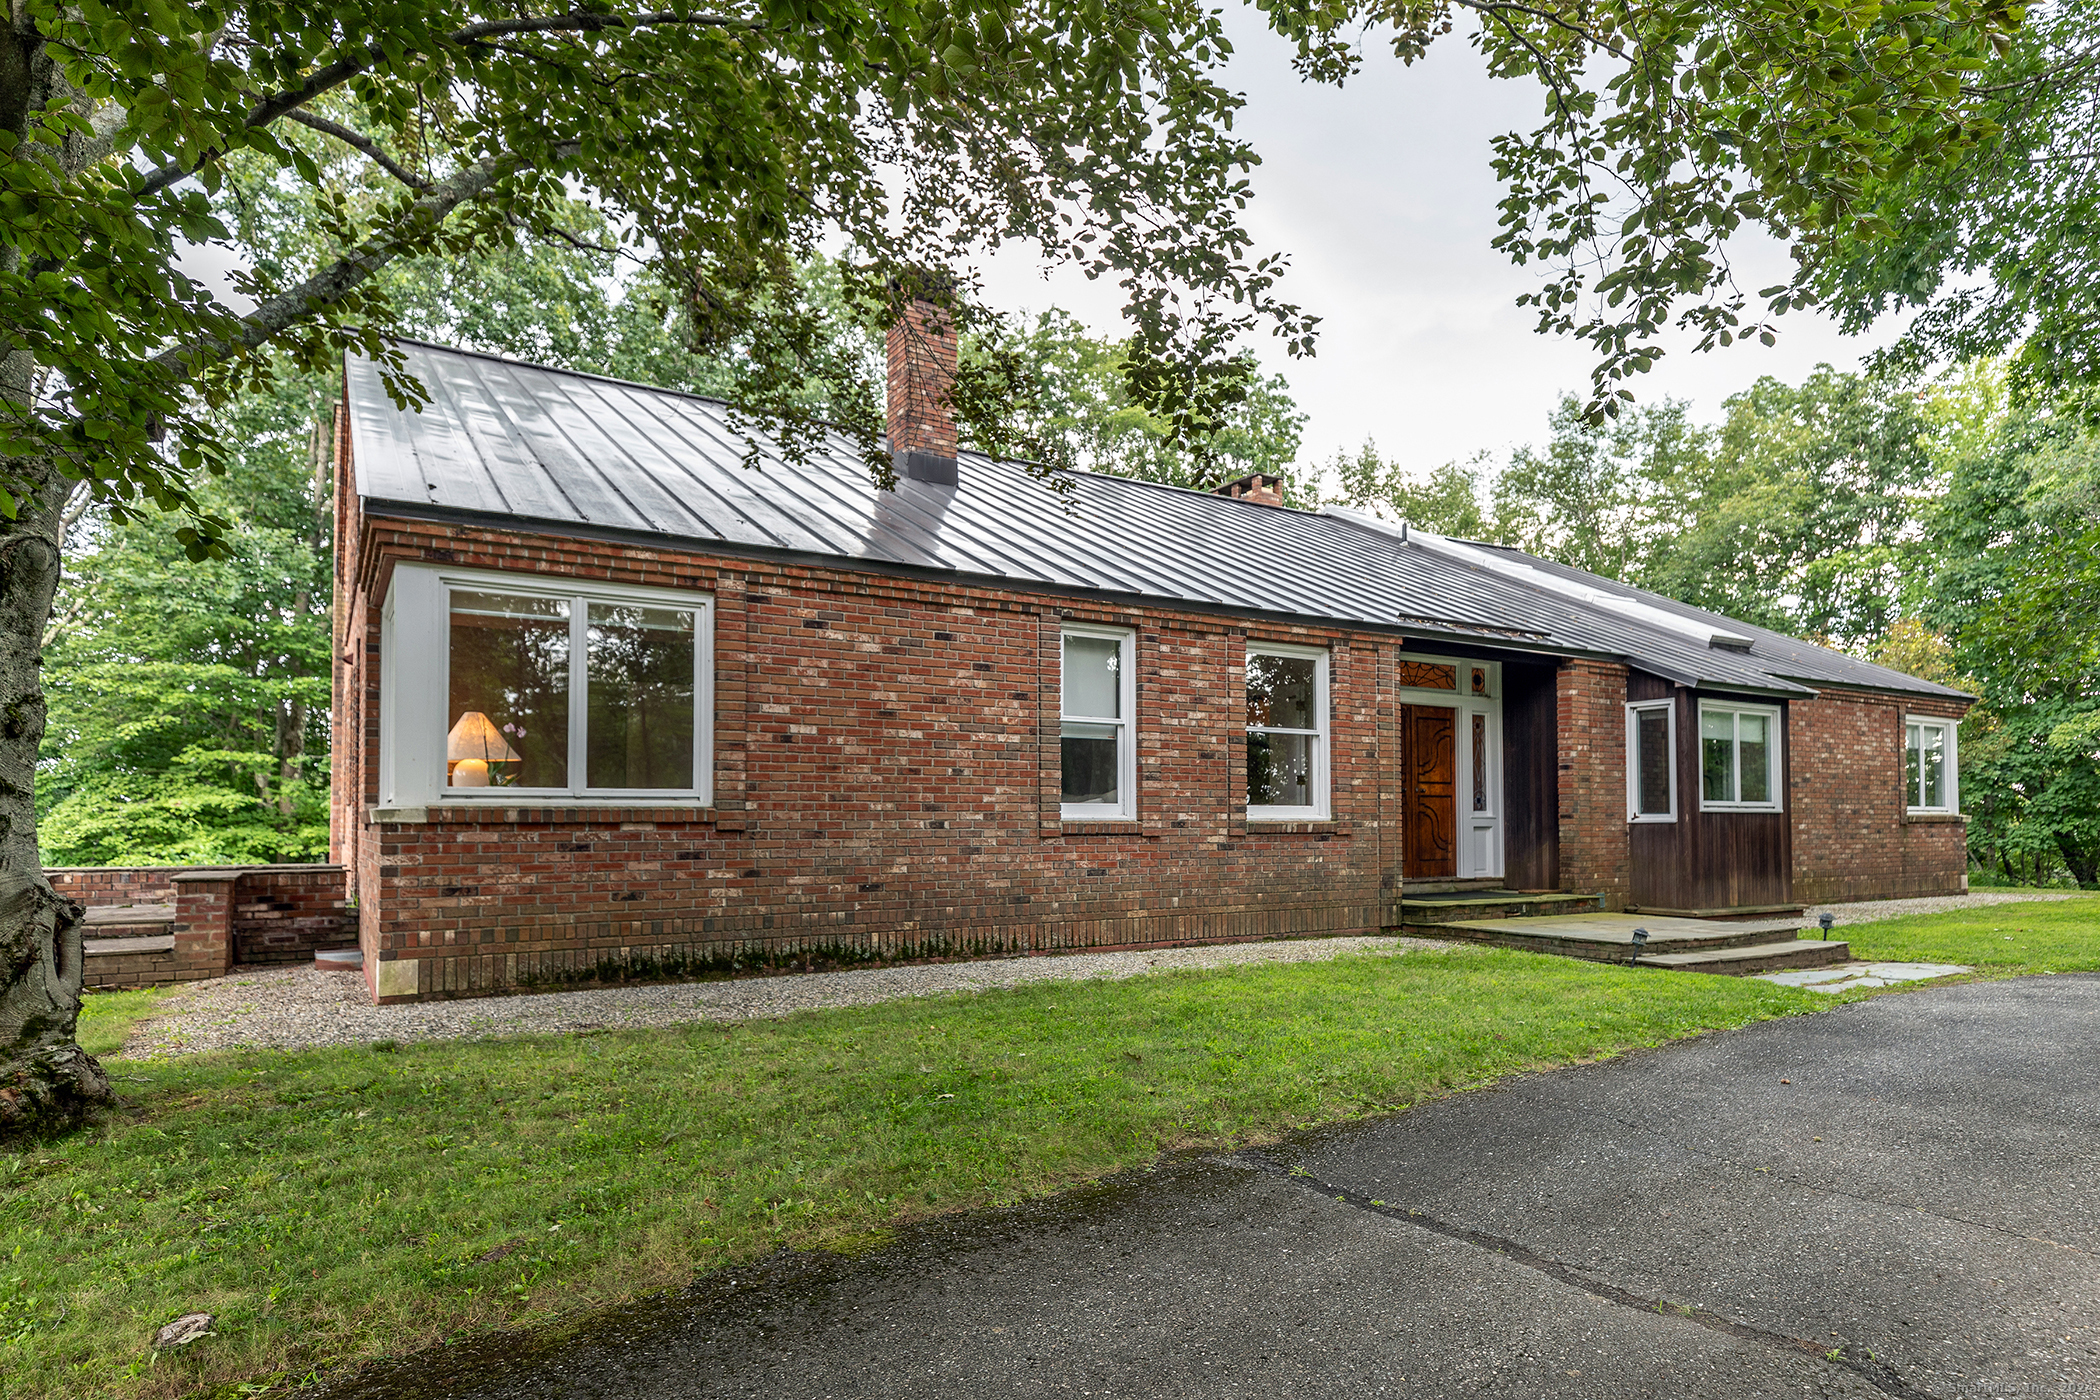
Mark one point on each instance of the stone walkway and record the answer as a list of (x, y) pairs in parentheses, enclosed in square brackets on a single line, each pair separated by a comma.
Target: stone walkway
[(292, 1008)]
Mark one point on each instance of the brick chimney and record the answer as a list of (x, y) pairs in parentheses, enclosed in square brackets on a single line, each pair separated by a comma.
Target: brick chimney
[(921, 376), (1262, 488)]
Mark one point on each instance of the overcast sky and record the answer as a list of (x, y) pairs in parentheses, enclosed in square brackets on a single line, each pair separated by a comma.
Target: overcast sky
[(1382, 195)]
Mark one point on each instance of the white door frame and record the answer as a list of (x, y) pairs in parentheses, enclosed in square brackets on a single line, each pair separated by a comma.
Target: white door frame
[(1479, 833)]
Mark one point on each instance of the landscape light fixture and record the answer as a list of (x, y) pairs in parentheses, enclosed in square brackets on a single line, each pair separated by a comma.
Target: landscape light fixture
[(1824, 921), (1640, 941), (472, 746)]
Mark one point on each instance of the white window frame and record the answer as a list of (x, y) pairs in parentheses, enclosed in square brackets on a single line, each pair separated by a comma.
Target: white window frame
[(1775, 758), (1126, 747), (1634, 710), (1322, 803), (1950, 785), (415, 689)]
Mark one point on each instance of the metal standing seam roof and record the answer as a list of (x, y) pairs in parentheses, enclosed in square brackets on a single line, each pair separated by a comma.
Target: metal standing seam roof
[(503, 442)]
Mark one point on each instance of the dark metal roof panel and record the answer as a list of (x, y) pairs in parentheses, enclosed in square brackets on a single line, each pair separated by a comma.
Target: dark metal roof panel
[(500, 437)]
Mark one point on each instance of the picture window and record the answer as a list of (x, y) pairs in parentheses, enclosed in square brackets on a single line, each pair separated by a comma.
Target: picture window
[(1739, 758)]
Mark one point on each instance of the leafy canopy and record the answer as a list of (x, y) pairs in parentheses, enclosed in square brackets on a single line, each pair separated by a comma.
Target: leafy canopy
[(727, 147)]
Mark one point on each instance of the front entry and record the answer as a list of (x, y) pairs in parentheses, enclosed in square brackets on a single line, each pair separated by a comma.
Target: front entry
[(1429, 796)]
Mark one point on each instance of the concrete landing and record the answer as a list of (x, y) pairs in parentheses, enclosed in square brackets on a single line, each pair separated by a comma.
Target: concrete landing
[(1679, 944)]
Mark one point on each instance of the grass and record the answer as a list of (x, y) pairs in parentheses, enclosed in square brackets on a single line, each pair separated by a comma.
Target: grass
[(333, 1205), (106, 1018), (330, 1206), (2001, 940)]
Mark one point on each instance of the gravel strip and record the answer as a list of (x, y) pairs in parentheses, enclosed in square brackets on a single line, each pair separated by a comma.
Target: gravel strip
[(292, 1008), (1869, 911)]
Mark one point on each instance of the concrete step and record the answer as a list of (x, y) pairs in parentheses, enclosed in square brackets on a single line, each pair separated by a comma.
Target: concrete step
[(128, 921), (1433, 911), (1609, 937), (1758, 957)]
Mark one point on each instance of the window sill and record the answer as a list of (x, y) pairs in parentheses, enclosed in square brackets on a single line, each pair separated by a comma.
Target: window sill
[(1934, 818), (1670, 820), (1297, 826), (544, 810), (1740, 807)]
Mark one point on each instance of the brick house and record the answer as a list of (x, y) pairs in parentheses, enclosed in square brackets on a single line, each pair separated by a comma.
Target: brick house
[(607, 701)]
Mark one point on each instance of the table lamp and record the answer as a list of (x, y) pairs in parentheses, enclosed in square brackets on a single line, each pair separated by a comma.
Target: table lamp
[(472, 746)]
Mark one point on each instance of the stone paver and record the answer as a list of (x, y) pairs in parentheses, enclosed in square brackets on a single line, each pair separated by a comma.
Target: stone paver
[(1845, 977)]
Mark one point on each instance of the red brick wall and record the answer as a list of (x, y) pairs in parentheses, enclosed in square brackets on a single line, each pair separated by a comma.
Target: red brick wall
[(1593, 844), (273, 913), (886, 782), (101, 886), (1852, 838)]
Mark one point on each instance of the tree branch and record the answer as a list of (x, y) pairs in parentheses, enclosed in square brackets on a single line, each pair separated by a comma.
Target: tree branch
[(332, 283), (1494, 7), (358, 141), (344, 69)]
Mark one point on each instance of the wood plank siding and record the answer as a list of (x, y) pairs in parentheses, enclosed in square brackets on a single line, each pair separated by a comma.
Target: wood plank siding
[(1530, 778), (1710, 860)]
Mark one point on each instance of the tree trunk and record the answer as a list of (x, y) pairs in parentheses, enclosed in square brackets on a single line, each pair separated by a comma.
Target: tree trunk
[(45, 1078), (2084, 861)]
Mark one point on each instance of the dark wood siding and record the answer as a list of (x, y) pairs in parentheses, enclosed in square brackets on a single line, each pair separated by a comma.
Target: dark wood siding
[(1530, 778), (1710, 860)]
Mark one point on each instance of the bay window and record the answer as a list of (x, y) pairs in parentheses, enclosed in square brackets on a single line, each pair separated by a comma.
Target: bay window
[(1651, 761), (1097, 697), (1928, 765), (531, 688), (1286, 733), (1738, 757)]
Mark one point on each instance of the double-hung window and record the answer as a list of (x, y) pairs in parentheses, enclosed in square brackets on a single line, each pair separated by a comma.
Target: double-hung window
[(1286, 733), (1097, 699), (1928, 765), (1738, 757), (526, 687), (1651, 761)]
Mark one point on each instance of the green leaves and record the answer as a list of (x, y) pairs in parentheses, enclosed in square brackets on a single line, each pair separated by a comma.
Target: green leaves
[(724, 148)]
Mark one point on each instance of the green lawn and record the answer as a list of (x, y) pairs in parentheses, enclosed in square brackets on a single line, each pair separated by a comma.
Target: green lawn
[(2003, 939), (107, 1017), (334, 1205)]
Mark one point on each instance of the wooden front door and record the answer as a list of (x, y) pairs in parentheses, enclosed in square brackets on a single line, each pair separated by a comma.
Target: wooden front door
[(1429, 803)]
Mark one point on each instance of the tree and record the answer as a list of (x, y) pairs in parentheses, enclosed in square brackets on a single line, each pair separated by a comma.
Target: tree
[(723, 146), (1447, 501), (1996, 250), (2015, 590), (1592, 497), (726, 147), (189, 703), (1077, 405)]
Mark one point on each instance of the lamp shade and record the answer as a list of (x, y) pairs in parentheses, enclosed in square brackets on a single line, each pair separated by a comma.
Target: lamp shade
[(475, 737)]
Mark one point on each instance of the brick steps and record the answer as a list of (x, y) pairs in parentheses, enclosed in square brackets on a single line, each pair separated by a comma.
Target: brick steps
[(1748, 960), (1671, 944), (1430, 914)]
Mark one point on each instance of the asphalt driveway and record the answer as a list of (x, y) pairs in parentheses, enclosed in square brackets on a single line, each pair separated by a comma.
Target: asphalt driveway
[(1900, 1197)]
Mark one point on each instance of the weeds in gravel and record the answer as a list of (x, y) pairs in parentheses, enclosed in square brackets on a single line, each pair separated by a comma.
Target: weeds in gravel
[(332, 1205)]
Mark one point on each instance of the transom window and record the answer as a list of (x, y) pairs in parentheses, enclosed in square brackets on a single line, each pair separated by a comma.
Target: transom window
[(1738, 757), (1097, 697), (1651, 761), (1928, 765), (1286, 733), (522, 687)]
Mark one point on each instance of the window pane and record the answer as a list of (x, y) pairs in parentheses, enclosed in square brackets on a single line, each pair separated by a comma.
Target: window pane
[(509, 701), (1913, 764), (1652, 731), (1932, 757), (1282, 692), (1279, 770), (1717, 754), (1754, 732), (1093, 677), (1089, 754), (640, 733), (1480, 763)]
